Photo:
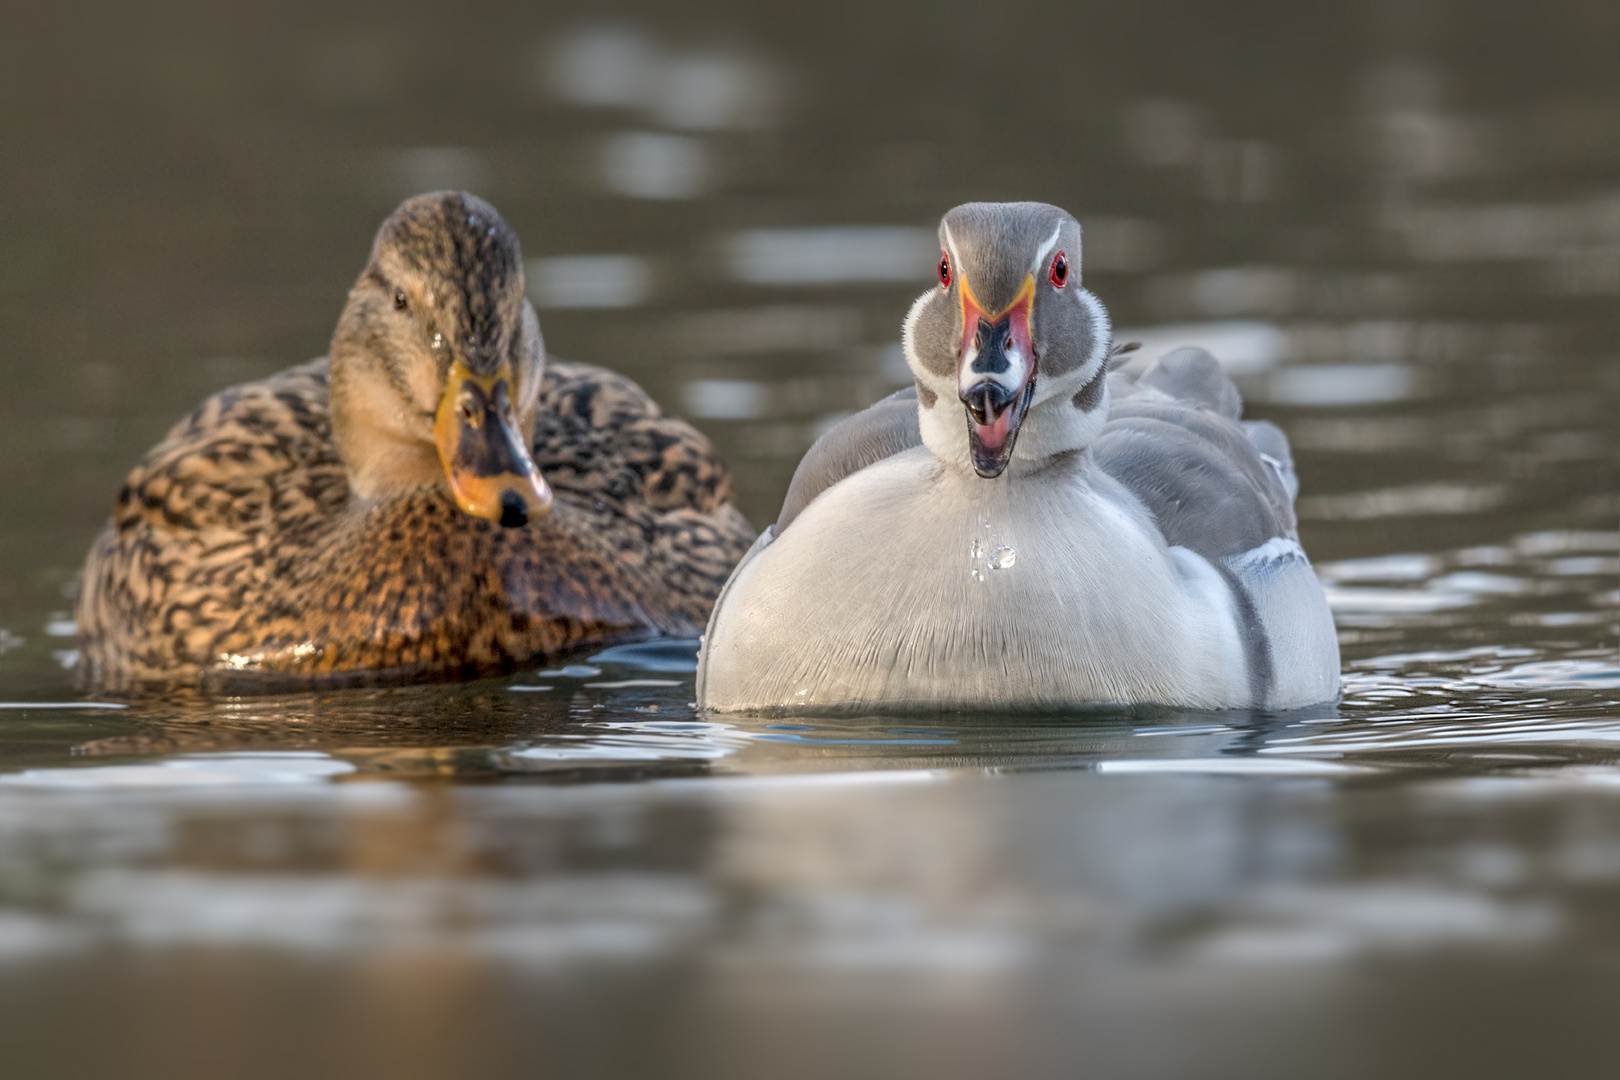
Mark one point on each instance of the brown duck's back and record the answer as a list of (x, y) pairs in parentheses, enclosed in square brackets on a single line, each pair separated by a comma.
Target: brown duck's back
[(237, 558)]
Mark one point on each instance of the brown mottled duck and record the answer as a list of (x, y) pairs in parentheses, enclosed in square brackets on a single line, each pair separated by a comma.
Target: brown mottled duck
[(434, 501)]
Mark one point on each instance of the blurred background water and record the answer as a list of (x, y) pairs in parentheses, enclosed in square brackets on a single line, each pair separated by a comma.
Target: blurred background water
[(1397, 223)]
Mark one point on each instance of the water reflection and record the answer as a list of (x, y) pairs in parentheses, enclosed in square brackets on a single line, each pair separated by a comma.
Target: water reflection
[(705, 89), (588, 281), (192, 770), (649, 165), (1409, 261)]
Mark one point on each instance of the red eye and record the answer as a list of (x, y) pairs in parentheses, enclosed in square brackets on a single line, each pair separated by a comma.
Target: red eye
[(1060, 271), (944, 270)]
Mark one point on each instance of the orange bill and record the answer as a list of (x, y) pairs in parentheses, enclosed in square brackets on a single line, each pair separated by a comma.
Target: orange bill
[(492, 474)]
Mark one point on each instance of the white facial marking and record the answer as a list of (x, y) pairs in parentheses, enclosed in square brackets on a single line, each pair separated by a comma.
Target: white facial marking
[(1102, 338), (1017, 373), (950, 246), (1040, 256)]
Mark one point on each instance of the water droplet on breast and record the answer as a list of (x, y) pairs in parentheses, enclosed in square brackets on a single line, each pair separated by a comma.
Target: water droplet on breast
[(976, 550), (1003, 558)]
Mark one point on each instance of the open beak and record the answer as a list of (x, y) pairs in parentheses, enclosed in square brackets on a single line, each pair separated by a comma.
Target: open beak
[(492, 474), (995, 376)]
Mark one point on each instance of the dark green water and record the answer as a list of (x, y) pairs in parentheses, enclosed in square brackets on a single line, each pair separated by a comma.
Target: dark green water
[(1398, 223)]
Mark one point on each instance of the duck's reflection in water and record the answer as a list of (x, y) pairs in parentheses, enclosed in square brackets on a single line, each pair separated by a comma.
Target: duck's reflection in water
[(721, 919)]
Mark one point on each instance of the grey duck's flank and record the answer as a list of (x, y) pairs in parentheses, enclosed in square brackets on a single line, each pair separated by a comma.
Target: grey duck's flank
[(435, 501)]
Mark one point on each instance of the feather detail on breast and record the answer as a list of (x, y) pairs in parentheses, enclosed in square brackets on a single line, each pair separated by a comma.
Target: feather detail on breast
[(237, 555)]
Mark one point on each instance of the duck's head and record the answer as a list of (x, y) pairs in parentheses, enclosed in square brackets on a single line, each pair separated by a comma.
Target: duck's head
[(436, 363), (1009, 352)]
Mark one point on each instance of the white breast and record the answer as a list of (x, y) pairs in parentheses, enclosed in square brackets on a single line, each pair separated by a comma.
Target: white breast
[(908, 583)]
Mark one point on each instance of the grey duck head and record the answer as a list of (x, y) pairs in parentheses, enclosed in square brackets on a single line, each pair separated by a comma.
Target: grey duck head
[(436, 363), (1009, 337)]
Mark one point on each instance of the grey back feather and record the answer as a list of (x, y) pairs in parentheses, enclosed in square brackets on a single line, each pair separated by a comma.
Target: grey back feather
[(1195, 377), (1174, 439), (875, 433)]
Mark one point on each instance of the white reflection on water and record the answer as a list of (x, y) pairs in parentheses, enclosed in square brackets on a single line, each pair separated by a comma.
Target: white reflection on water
[(602, 66), (570, 671), (698, 90), (624, 683), (1243, 347), (588, 281), (1570, 674), (1377, 591), (659, 654), (1412, 731), (1560, 540), (1313, 924), (629, 740), (1341, 384), (568, 918), (1418, 500), (648, 165), (1228, 766), (1403, 567), (726, 399), (1424, 591), (191, 771), (1392, 601)]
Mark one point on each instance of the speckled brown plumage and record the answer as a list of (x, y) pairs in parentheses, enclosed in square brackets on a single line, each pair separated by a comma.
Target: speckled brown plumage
[(240, 557), (236, 557)]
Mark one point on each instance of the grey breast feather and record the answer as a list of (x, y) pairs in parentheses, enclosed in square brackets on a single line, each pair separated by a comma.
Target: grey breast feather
[(1174, 438), (877, 432)]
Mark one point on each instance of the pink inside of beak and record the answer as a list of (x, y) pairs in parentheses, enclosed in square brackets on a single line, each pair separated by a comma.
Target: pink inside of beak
[(992, 435)]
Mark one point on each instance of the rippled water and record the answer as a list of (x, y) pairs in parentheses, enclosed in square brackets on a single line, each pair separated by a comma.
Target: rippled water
[(1401, 232)]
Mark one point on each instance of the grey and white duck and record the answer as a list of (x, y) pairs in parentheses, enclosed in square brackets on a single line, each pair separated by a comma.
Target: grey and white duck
[(1022, 527)]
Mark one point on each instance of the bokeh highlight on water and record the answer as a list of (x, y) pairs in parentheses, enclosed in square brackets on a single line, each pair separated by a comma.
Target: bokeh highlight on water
[(1397, 224)]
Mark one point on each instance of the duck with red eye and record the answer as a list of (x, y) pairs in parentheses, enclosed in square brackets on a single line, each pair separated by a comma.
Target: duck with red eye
[(1082, 538), (1021, 339)]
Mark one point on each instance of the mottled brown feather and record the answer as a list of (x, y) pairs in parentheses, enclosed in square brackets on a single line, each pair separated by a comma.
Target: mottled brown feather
[(237, 559)]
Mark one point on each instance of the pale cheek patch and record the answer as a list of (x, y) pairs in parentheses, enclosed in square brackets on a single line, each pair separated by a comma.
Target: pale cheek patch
[(926, 335)]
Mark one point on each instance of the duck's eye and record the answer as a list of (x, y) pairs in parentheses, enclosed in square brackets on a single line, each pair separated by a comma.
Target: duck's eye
[(399, 300), (944, 270), (1060, 270)]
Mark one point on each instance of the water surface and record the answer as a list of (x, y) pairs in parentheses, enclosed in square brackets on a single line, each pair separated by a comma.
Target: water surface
[(1398, 225)]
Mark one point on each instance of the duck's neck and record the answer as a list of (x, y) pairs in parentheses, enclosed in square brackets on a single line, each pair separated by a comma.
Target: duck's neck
[(388, 450)]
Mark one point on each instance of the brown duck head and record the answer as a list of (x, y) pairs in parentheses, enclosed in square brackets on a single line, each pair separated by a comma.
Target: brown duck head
[(437, 360)]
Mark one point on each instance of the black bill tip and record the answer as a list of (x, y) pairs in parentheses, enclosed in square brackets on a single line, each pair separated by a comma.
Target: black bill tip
[(514, 511)]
